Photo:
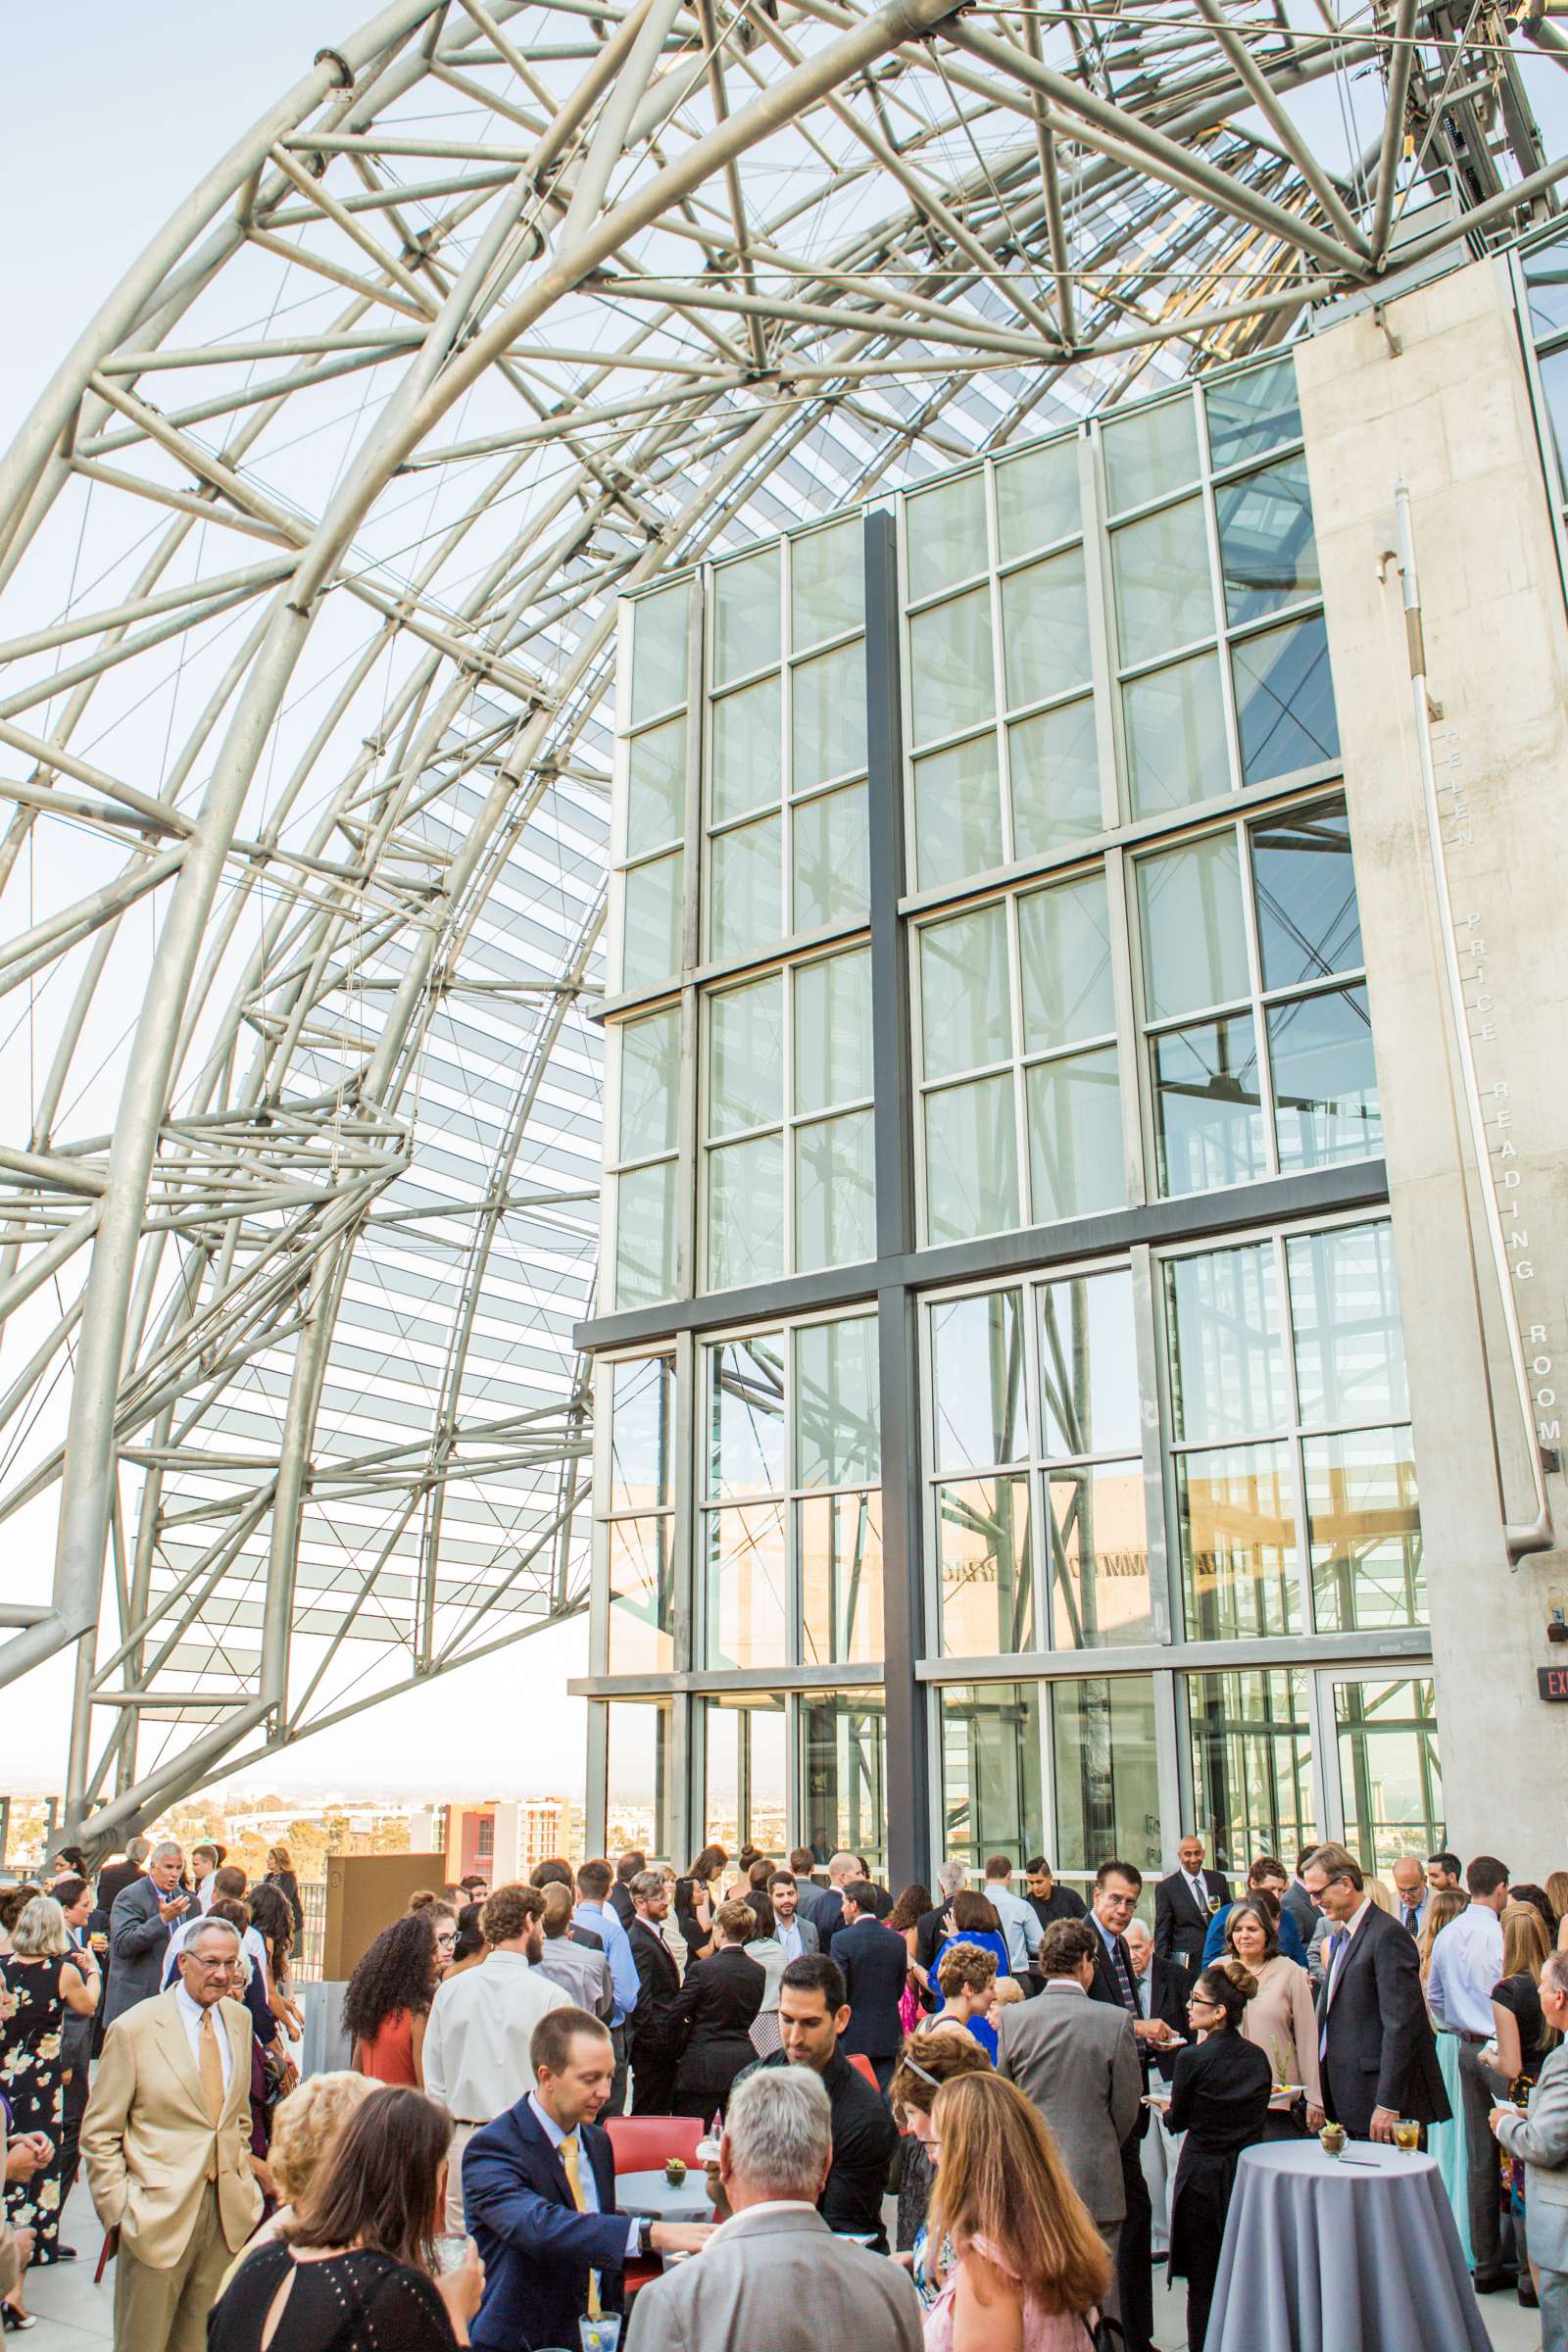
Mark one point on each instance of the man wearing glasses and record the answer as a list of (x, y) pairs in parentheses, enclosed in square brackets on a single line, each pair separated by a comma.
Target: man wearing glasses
[(166, 2139)]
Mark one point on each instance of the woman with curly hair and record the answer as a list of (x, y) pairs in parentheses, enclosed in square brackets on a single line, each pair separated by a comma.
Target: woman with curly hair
[(387, 2004)]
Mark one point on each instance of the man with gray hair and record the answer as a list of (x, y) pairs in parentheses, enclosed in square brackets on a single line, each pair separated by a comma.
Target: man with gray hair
[(140, 1925), (774, 2274), (1540, 2139), (933, 1928)]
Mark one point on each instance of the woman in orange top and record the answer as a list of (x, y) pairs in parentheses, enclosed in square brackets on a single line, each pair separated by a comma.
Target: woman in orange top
[(387, 2004)]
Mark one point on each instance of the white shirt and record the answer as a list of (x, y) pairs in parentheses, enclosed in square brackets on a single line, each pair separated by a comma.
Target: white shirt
[(1020, 1925), (476, 2043), (1466, 1963), (788, 1931), (191, 2014), (554, 2134)]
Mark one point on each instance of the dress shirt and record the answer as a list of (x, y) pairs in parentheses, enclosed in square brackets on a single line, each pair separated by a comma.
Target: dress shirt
[(1018, 1923), (1144, 1987), (476, 2043), (255, 1950), (1466, 1963), (191, 2014), (556, 2133), (1412, 1915), (617, 1952), (1200, 1893), (788, 1931)]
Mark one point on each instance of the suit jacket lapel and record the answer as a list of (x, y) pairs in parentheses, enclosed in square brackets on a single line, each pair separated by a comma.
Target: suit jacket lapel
[(537, 2140), (181, 2058)]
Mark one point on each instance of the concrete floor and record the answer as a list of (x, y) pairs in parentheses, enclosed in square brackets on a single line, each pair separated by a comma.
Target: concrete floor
[(74, 2315)]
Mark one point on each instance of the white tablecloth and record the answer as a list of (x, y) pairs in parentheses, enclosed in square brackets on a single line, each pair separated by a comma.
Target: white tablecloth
[(1341, 2254), (652, 2194)]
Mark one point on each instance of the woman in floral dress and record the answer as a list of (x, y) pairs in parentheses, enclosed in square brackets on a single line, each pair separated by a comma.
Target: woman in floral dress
[(43, 1978)]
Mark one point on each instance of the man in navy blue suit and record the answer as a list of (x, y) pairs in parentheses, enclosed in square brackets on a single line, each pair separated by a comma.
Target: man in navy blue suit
[(539, 2198), (877, 1965)]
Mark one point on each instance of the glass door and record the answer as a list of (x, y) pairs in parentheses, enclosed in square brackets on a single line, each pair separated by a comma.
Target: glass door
[(1376, 1739)]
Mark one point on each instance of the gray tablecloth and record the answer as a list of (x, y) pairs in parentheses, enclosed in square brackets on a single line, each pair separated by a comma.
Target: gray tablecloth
[(652, 2194), (1325, 2254)]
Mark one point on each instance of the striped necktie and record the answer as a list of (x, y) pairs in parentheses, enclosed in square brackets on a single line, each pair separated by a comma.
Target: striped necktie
[(568, 2158)]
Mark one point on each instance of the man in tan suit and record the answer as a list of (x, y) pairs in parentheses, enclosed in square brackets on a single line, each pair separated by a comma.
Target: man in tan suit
[(167, 2144)]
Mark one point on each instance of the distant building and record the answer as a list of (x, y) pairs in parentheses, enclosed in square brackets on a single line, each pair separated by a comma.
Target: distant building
[(501, 1840)]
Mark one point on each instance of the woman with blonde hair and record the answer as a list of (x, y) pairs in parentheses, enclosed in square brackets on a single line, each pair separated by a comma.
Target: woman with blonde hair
[(927, 2061), (1523, 2034), (1446, 2144), (1557, 1897), (1029, 2264), (1382, 1897), (305, 2128)]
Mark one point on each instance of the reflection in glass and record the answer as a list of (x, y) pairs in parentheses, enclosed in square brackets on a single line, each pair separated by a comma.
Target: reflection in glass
[(951, 681), (971, 1160), (958, 811), (843, 1799), (841, 1579), (1390, 1775), (746, 1057), (659, 651), (1344, 1310), (1175, 730), (1237, 1536), (835, 1193), (1195, 938), (837, 1413), (1064, 950), (829, 706), (833, 1030), (1250, 413), (1308, 921), (985, 1569), (1037, 497), (645, 1236), (1226, 1352), (1554, 384), (1208, 1116), (1267, 550), (1147, 451), (827, 583), (978, 1381), (1099, 1537), (992, 1791), (650, 1084), (1088, 1366), (745, 1622), (1045, 629), (747, 753), (745, 1417), (1285, 701), (745, 1213), (1545, 274), (637, 1779), (1326, 1101), (745, 1770), (1365, 1530), (642, 1606), (651, 923), (745, 615), (642, 1433), (1251, 1765), (944, 535), (1055, 779), (744, 873), (656, 788), (1077, 1163), (832, 858), (1159, 570), (1107, 1773), (966, 1019)]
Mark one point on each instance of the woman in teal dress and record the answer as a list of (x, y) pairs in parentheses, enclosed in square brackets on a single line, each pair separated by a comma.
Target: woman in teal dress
[(1445, 2142)]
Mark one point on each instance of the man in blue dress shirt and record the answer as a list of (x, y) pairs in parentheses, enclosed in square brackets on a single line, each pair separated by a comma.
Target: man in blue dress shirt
[(596, 1911)]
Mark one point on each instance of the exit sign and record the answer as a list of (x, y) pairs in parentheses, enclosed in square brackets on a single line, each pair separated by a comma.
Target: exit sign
[(1552, 1682)]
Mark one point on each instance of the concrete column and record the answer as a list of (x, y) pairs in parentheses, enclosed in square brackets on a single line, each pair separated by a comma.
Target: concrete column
[(1449, 412)]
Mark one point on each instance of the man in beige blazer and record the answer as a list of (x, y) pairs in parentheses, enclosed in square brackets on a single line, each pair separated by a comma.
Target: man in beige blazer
[(167, 2144)]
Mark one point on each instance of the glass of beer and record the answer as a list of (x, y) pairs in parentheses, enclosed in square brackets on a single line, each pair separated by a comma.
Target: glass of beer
[(1407, 2133)]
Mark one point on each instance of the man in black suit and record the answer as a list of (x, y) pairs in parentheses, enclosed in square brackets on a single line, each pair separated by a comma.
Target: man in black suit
[(1162, 1987), (1117, 1887), (1183, 1905), (875, 1962), (562, 1874), (652, 2046), (621, 1900), (1380, 2060)]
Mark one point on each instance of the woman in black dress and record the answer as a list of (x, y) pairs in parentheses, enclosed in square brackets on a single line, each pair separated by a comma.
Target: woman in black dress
[(695, 1904), (353, 2270), (713, 2013), (43, 1982), (1219, 2096)]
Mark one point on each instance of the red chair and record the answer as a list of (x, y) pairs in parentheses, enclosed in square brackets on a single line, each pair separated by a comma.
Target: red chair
[(645, 2143), (862, 2065)]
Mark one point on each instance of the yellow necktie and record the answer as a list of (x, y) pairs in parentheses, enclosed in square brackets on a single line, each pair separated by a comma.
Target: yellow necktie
[(210, 2058), (568, 2158)]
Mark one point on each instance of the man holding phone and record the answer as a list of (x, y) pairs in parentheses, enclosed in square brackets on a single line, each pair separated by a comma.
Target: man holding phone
[(144, 1917)]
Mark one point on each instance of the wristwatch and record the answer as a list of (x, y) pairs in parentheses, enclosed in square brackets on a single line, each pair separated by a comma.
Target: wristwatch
[(645, 2237)]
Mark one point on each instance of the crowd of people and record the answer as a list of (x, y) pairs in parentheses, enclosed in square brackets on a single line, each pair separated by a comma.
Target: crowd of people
[(973, 2121)]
